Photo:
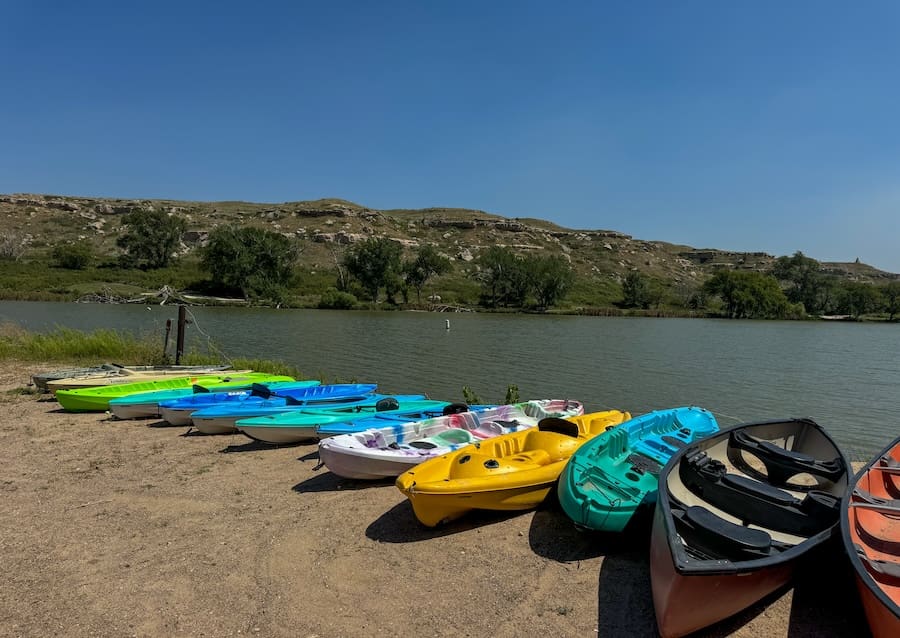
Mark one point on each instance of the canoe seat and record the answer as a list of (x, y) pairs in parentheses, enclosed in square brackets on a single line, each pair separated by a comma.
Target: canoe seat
[(720, 535), (870, 501), (781, 464), (885, 568), (755, 502)]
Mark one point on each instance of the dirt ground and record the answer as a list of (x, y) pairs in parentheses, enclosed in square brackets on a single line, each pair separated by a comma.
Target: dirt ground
[(133, 528)]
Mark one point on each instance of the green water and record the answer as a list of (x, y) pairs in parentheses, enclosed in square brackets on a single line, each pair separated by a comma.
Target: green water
[(843, 375)]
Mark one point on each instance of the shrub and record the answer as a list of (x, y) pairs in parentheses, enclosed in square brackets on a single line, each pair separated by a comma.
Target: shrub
[(334, 299), (72, 256)]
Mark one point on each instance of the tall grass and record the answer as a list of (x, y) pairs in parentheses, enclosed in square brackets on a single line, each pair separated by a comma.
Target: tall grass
[(66, 345)]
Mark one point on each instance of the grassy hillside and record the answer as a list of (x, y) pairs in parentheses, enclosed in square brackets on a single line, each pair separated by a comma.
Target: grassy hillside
[(33, 224)]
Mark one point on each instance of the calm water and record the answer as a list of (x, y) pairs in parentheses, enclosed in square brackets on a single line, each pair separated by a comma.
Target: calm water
[(843, 375)]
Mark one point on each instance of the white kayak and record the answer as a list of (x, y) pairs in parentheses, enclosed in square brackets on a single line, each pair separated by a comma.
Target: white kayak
[(392, 450)]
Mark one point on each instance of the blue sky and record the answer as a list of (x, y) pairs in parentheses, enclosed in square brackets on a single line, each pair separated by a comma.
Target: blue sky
[(757, 125)]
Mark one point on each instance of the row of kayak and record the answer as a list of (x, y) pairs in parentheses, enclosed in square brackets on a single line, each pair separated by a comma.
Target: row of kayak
[(732, 510)]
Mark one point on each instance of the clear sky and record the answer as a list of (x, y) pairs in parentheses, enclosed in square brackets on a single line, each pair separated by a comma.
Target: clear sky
[(754, 125)]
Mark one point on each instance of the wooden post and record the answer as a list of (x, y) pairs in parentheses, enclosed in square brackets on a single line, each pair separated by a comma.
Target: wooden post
[(179, 347)]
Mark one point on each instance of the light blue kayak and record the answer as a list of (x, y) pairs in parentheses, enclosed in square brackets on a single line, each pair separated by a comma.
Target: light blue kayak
[(221, 419), (299, 425), (146, 404), (615, 473), (179, 411)]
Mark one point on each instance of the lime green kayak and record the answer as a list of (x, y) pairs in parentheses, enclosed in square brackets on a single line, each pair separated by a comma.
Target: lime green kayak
[(97, 399)]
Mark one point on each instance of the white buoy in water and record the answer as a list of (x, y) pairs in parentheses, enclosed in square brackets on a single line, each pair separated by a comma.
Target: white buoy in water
[(447, 324)]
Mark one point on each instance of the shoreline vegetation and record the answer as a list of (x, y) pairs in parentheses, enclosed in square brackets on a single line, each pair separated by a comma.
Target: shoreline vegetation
[(334, 254)]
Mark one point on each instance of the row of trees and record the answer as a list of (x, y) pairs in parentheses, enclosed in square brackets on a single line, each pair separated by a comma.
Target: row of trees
[(260, 264), (506, 279)]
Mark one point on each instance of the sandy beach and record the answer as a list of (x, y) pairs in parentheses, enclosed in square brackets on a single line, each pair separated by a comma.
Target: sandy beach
[(136, 528)]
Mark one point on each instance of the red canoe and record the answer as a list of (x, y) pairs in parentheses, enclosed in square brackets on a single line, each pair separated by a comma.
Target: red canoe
[(735, 513), (870, 526)]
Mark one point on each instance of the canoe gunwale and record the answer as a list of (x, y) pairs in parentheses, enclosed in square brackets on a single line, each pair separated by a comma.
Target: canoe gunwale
[(686, 565), (862, 573)]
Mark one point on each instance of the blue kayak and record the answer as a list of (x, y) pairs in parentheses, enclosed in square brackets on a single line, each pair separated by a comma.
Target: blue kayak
[(221, 419), (146, 404), (178, 411)]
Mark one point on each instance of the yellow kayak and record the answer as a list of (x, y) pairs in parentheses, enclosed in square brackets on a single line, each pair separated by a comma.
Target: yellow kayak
[(510, 472)]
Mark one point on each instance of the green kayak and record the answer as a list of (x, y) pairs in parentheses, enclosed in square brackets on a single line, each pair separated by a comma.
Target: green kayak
[(97, 399), (612, 476)]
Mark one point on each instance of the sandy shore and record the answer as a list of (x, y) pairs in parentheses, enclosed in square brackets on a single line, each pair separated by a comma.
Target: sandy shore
[(131, 528)]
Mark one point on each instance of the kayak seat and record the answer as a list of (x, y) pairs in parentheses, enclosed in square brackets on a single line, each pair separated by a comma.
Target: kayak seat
[(781, 464), (725, 537), (560, 426), (387, 403), (454, 408), (755, 502), (535, 457), (643, 464), (454, 436)]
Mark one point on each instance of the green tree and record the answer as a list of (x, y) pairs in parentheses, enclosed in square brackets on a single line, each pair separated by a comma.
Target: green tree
[(858, 298), (504, 277), (375, 264), (427, 263), (748, 295), (804, 278), (150, 238), (72, 256), (256, 262), (635, 290), (551, 277), (890, 295)]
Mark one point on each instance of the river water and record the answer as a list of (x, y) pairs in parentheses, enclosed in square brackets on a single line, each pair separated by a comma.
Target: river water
[(843, 375)]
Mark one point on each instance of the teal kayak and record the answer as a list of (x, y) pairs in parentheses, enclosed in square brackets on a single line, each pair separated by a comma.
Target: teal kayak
[(615, 473), (299, 425)]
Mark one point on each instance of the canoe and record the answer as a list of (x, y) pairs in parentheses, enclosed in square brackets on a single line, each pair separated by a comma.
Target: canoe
[(116, 374), (735, 512), (380, 452), (614, 475), (147, 404), (870, 529), (508, 472), (300, 425), (178, 411), (97, 399)]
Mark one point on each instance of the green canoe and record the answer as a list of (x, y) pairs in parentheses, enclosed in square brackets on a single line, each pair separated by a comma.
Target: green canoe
[(97, 399)]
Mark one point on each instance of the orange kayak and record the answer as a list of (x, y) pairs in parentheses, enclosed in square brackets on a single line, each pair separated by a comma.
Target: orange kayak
[(870, 526)]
